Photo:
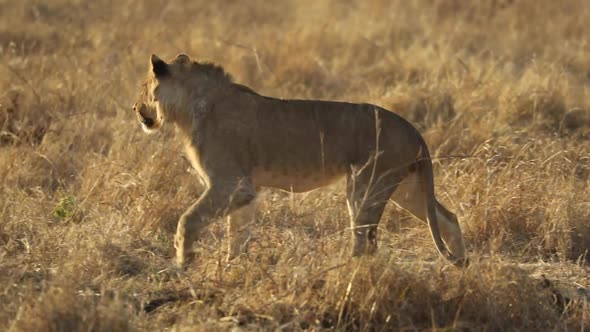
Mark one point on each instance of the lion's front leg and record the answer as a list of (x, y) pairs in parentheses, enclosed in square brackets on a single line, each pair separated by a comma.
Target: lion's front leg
[(238, 230), (222, 198)]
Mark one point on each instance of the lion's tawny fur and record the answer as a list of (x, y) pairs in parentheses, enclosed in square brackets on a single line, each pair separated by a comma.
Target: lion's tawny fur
[(239, 141)]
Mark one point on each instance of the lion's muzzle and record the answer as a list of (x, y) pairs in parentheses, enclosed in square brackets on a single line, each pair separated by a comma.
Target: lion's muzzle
[(147, 122)]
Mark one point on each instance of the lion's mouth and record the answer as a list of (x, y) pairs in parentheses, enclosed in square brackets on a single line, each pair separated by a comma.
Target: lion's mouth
[(147, 122)]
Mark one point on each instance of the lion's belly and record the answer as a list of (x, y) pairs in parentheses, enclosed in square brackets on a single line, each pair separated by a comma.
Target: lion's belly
[(295, 180)]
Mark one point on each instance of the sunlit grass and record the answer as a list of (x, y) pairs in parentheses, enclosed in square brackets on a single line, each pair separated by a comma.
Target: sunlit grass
[(89, 204)]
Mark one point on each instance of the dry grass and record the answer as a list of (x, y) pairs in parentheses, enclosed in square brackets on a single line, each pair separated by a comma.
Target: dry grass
[(88, 203)]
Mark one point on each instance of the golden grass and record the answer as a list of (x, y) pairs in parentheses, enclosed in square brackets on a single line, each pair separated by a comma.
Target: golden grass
[(88, 204)]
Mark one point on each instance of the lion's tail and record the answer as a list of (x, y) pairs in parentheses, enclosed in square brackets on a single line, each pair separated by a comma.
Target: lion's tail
[(425, 173)]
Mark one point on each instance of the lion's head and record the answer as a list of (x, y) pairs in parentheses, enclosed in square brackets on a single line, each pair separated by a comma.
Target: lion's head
[(175, 88)]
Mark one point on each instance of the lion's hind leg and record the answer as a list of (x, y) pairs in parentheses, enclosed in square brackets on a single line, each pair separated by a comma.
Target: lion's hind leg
[(368, 192)]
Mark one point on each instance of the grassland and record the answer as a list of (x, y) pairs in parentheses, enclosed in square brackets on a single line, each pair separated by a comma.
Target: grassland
[(88, 203)]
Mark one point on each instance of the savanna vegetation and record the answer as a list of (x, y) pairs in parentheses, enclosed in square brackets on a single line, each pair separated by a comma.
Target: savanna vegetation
[(89, 203)]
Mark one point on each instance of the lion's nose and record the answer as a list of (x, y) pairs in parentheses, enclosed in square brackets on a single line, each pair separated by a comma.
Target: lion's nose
[(135, 108)]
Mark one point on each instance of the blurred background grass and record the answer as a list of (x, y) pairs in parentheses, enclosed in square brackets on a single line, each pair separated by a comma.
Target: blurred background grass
[(500, 89)]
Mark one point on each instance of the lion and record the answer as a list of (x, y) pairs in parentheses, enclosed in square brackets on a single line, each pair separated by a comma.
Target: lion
[(240, 141)]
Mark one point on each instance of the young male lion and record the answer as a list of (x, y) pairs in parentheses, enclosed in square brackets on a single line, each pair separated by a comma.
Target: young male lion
[(239, 141)]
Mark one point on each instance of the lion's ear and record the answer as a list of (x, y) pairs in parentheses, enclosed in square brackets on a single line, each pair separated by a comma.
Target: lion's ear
[(182, 59), (159, 67)]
